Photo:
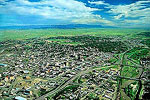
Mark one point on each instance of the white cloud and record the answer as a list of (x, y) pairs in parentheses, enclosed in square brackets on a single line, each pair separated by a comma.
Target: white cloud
[(94, 20), (52, 9), (119, 16), (2, 1), (137, 13), (133, 10), (98, 3), (142, 20), (133, 15)]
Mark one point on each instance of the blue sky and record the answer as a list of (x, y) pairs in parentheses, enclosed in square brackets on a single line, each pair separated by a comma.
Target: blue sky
[(117, 13)]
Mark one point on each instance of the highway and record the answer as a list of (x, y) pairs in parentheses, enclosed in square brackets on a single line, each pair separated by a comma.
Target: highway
[(62, 86), (130, 80), (121, 67)]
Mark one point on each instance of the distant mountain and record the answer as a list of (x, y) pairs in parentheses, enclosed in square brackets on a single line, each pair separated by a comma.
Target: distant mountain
[(69, 26), (72, 26)]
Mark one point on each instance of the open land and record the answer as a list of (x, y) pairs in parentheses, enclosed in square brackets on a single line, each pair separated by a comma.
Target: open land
[(75, 64)]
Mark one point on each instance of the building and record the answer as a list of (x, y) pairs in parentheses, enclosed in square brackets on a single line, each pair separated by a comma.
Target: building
[(20, 98), (3, 65)]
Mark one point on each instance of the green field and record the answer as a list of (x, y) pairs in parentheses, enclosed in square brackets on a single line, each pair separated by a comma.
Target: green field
[(33, 33)]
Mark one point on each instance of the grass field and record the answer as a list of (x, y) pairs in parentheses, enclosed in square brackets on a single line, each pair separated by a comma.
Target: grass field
[(26, 34)]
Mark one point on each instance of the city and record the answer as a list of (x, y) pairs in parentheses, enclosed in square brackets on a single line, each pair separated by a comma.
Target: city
[(41, 68)]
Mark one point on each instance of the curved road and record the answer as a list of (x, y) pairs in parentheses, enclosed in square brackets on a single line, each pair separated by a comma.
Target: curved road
[(62, 86)]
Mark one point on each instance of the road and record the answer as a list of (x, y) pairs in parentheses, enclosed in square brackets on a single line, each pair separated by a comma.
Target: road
[(2, 51), (63, 85), (130, 80), (121, 67)]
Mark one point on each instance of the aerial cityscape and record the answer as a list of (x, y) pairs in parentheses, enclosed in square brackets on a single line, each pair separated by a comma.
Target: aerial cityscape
[(47, 52)]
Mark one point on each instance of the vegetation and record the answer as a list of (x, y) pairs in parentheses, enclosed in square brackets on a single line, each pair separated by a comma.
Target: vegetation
[(147, 42), (138, 53), (146, 34), (92, 96), (102, 43), (131, 90), (72, 87), (34, 33)]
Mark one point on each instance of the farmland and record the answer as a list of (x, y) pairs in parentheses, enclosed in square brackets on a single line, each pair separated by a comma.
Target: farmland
[(35, 33)]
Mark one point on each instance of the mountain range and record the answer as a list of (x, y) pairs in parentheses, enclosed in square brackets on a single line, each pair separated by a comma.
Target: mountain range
[(69, 26)]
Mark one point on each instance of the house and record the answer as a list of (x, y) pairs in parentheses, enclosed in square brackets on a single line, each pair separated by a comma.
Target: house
[(6, 79), (3, 65), (145, 61), (26, 71), (20, 98), (27, 77), (28, 92), (11, 77), (2, 84)]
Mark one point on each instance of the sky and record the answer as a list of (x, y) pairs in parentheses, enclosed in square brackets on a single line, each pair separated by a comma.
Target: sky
[(115, 13)]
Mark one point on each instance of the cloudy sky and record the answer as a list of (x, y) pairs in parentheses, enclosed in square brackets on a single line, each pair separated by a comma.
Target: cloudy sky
[(117, 13)]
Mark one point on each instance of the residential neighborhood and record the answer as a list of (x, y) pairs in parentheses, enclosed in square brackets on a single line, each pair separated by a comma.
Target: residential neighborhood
[(45, 69)]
